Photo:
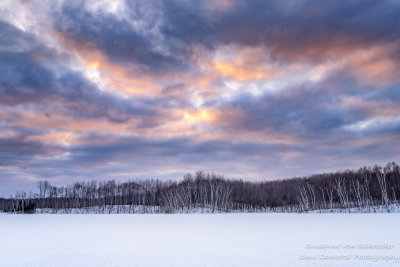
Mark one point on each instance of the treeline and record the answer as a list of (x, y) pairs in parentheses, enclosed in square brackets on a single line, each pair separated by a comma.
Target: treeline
[(209, 192)]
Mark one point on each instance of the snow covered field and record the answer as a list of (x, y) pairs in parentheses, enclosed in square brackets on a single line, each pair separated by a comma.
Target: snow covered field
[(200, 240)]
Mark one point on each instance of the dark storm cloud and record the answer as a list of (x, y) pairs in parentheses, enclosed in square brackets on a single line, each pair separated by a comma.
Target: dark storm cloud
[(115, 37), (26, 80), (177, 150), (23, 80), (293, 29), (16, 151), (189, 22), (83, 99), (390, 93), (12, 38), (336, 107), (306, 110)]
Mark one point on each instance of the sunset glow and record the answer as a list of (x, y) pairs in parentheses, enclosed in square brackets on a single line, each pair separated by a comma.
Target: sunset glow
[(90, 89)]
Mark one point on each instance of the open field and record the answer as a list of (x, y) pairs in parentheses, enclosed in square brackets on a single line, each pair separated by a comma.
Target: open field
[(195, 239)]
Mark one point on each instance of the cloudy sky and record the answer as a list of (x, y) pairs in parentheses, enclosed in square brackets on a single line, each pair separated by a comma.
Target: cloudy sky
[(251, 89)]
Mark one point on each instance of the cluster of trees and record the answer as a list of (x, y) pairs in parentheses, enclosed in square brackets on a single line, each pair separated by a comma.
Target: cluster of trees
[(351, 189), (211, 193)]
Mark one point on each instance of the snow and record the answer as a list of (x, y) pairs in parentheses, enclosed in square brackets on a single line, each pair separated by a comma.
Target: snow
[(255, 239), (156, 209), (391, 208), (116, 209), (395, 207)]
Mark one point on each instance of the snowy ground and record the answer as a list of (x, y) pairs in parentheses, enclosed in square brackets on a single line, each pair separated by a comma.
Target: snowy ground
[(199, 239), (155, 209), (367, 209)]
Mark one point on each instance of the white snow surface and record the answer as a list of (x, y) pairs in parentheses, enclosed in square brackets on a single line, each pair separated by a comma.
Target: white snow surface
[(239, 239), (367, 209)]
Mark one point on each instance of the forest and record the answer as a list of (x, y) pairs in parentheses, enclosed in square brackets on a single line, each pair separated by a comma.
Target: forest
[(209, 192)]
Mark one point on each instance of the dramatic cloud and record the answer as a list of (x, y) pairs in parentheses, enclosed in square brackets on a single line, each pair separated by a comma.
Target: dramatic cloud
[(252, 89)]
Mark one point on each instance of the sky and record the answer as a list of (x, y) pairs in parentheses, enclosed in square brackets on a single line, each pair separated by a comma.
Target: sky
[(155, 89)]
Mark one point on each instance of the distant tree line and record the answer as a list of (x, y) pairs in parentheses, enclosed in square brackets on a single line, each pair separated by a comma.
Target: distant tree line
[(209, 192)]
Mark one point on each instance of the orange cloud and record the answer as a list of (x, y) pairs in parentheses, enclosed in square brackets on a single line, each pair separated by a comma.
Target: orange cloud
[(66, 130), (202, 115), (200, 124), (63, 138), (194, 122), (245, 64), (375, 65), (237, 72), (129, 79), (370, 64), (226, 126), (122, 78)]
